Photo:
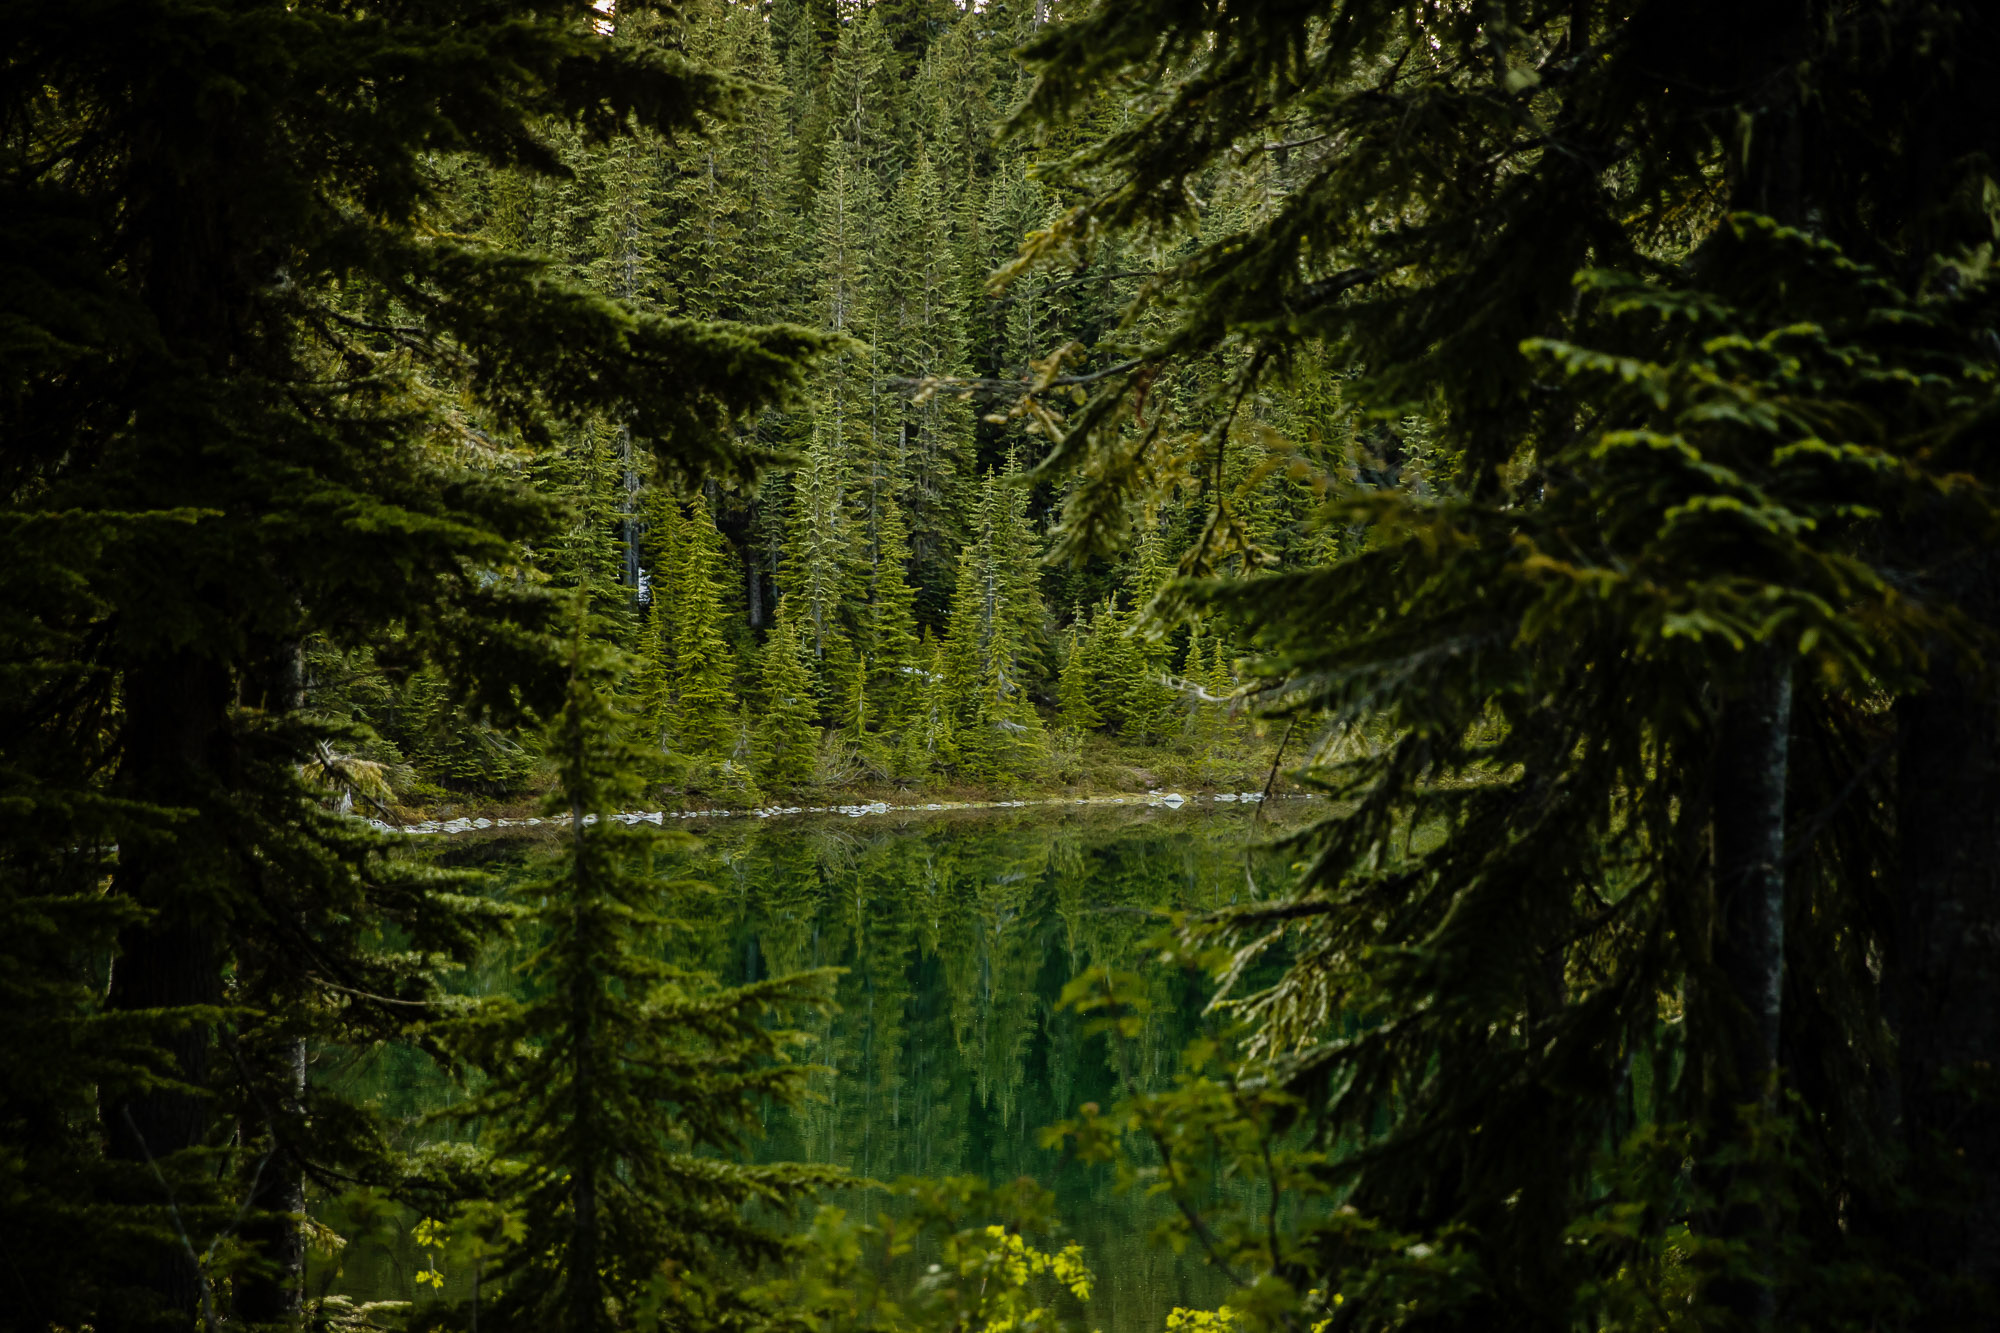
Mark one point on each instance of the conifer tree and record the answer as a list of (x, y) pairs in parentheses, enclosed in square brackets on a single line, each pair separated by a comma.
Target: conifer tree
[(1014, 327), (620, 1084), (786, 737), (803, 34), (656, 683), (1111, 668), (624, 214), (925, 335), (850, 405), (1205, 719), (700, 230), (1150, 708), (864, 95), (1222, 683), (1640, 665), (963, 667), (846, 218), (253, 316), (843, 687), (819, 556), (652, 683), (760, 161), (1073, 706), (952, 108), (1017, 552), (937, 716), (891, 631), (1013, 736), (1011, 610), (704, 669)]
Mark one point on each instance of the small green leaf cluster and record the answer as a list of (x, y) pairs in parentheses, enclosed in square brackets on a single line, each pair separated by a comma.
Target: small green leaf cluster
[(932, 1264)]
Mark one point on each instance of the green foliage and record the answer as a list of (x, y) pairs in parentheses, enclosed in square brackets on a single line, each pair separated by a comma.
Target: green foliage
[(704, 670), (891, 632), (787, 735), (452, 748), (857, 191), (619, 1085), (269, 395), (937, 712), (1668, 414), (851, 1275), (1209, 1125), (1073, 703)]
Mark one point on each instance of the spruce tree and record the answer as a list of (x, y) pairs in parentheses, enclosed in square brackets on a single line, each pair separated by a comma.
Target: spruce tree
[(1204, 716), (1073, 705), (620, 1086), (652, 682), (844, 676), (1112, 670), (246, 386), (1014, 328), (761, 159), (704, 667), (952, 105), (820, 548), (864, 95), (1017, 556), (787, 736), (936, 722), (924, 336), (1012, 611), (961, 668), (1150, 709), (891, 631), (1625, 274), (656, 680), (849, 403)]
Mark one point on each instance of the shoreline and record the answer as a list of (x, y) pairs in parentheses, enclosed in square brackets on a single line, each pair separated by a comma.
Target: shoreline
[(1169, 800)]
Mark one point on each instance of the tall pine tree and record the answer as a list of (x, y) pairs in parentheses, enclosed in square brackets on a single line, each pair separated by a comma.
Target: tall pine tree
[(620, 1086), (251, 360)]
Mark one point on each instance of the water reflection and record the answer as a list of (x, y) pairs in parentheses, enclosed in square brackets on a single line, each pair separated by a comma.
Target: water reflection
[(947, 1053)]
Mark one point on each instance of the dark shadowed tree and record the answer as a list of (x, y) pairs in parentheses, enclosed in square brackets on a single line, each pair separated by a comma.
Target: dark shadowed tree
[(1702, 355), (240, 359)]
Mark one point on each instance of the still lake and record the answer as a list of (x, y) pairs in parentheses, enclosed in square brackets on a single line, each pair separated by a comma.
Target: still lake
[(948, 1053)]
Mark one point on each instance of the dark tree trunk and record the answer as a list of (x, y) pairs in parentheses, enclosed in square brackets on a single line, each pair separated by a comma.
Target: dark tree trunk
[(586, 1299), (1753, 753), (1942, 992), (272, 1291), (1751, 766), (174, 734)]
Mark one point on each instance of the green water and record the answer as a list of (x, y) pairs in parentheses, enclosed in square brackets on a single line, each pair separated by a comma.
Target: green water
[(947, 1052)]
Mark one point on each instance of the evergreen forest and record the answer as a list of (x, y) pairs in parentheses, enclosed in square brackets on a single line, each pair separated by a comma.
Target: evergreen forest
[(1541, 441)]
